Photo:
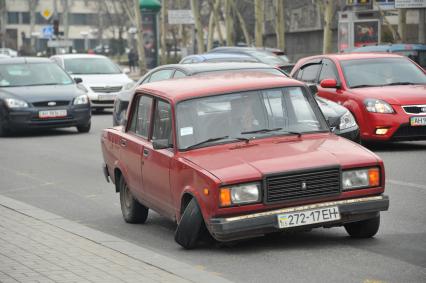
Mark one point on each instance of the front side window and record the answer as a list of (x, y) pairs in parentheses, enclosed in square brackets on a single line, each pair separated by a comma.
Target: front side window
[(91, 66), (327, 71), (253, 114), (141, 118), (33, 74), (161, 75), (381, 72), (309, 73), (162, 122)]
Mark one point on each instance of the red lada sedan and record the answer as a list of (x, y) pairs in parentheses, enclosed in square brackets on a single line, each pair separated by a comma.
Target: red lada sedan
[(241, 155), (385, 92)]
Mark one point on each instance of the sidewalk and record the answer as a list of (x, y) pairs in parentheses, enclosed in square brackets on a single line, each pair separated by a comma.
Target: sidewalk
[(37, 246)]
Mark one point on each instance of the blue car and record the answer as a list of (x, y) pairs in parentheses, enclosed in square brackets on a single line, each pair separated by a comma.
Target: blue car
[(416, 52)]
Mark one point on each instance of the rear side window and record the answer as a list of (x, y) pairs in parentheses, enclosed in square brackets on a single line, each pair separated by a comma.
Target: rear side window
[(327, 71), (162, 122), (141, 119)]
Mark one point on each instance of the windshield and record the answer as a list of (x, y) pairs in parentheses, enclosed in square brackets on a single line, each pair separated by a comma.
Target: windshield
[(245, 115), (268, 58), (91, 66), (15, 75), (381, 72)]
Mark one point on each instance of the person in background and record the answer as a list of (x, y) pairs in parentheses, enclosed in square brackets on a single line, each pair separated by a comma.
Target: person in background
[(131, 56)]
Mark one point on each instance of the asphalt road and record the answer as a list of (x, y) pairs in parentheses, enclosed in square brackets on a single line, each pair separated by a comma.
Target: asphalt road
[(60, 171)]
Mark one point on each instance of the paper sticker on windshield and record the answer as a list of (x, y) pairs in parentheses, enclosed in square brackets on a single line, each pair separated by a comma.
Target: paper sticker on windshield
[(186, 131)]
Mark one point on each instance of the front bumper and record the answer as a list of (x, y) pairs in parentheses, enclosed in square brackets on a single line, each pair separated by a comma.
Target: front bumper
[(25, 119), (253, 225)]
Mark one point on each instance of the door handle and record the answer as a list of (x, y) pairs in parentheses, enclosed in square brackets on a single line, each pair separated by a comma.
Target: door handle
[(145, 152), (123, 142)]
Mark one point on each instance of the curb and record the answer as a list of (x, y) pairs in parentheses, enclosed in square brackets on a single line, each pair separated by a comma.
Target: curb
[(149, 257)]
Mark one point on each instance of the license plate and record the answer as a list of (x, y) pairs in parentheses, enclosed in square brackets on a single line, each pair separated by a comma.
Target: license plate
[(418, 121), (52, 113), (307, 217), (106, 97)]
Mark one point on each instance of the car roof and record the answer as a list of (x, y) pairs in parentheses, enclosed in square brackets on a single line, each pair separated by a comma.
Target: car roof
[(25, 60), (195, 68), (217, 56), (353, 56), (215, 83), (71, 56), (390, 48)]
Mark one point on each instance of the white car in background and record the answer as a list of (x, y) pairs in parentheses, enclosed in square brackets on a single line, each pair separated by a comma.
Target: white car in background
[(9, 52), (101, 77)]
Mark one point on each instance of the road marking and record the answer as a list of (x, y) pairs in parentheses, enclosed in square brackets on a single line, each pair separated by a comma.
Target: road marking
[(407, 184)]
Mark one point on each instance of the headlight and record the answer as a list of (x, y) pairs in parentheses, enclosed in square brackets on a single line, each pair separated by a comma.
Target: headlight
[(15, 103), (240, 194), (82, 99), (347, 121), (129, 86), (361, 178), (378, 106)]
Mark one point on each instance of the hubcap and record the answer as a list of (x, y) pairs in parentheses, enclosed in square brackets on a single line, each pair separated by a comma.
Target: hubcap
[(127, 196)]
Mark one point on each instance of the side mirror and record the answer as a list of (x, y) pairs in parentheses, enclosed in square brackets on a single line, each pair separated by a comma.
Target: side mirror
[(329, 83), (161, 144), (126, 71), (78, 80)]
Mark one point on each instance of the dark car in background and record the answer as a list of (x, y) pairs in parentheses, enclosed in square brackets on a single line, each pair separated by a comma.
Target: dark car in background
[(216, 57), (270, 56), (37, 93), (340, 119)]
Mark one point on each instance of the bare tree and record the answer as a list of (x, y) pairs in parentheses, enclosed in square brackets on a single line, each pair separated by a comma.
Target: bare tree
[(3, 21), (242, 22), (280, 24), (259, 16), (328, 33), (164, 31), (402, 19), (229, 22), (139, 34), (210, 34), (216, 11), (197, 17), (32, 5)]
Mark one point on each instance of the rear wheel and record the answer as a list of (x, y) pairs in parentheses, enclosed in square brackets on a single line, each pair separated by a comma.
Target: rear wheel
[(84, 128), (190, 226), (132, 210), (363, 229)]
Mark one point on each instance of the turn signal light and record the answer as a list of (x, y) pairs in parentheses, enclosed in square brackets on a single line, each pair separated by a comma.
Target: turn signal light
[(381, 131), (225, 197), (374, 177)]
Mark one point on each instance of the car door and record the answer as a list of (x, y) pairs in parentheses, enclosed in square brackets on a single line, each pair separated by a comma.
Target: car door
[(156, 162), (134, 141)]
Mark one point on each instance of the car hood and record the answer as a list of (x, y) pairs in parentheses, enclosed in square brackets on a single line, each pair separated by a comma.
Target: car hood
[(397, 95), (42, 93), (234, 163), (104, 80)]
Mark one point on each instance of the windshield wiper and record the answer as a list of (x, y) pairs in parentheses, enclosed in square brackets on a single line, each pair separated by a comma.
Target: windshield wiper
[(216, 139), (272, 130), (401, 83), (357, 86)]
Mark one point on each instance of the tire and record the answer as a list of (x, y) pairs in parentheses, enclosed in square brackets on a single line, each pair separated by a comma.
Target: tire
[(363, 229), (190, 226), (84, 128), (132, 210)]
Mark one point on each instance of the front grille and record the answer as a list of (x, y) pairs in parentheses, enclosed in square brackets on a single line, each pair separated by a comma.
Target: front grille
[(302, 184), (108, 89), (407, 131), (103, 101), (415, 109), (46, 103)]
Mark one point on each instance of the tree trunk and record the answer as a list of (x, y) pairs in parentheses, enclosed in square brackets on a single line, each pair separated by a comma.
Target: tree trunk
[(242, 24), (229, 22), (32, 5), (328, 33), (280, 25), (65, 17), (3, 22), (259, 16), (422, 32), (139, 34), (164, 9), (217, 21), (197, 17), (402, 20), (211, 31)]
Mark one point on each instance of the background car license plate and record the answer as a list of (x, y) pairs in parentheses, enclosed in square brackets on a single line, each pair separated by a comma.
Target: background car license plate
[(106, 97), (307, 217), (52, 113), (418, 121)]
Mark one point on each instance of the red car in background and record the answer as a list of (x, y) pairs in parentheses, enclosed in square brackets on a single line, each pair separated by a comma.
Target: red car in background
[(385, 92)]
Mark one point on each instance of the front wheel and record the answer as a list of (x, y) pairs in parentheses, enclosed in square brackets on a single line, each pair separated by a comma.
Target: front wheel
[(84, 128), (363, 229), (189, 228), (132, 210)]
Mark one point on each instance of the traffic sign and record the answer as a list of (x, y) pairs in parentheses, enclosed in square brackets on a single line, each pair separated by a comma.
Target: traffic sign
[(46, 13), (408, 4), (47, 31), (180, 17)]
